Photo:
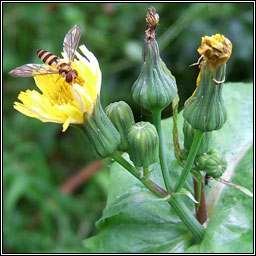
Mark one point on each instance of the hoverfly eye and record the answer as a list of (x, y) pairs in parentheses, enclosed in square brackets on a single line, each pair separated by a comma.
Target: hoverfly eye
[(69, 77), (76, 73)]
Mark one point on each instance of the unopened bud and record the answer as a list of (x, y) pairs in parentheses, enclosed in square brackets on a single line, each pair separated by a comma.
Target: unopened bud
[(144, 142), (122, 118)]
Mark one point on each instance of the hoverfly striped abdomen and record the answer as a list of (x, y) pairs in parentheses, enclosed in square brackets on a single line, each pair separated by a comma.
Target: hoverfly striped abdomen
[(48, 58), (63, 68)]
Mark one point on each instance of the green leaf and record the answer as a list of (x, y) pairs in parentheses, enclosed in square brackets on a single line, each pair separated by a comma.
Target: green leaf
[(134, 221), (125, 201)]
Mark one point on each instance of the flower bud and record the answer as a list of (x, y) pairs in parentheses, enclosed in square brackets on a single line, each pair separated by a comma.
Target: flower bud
[(155, 87), (143, 141), (205, 109), (213, 163), (102, 135), (206, 142), (122, 118)]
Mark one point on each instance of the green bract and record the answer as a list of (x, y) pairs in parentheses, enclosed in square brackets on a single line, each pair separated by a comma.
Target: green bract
[(206, 142), (143, 141), (205, 109), (101, 133), (155, 87), (122, 118)]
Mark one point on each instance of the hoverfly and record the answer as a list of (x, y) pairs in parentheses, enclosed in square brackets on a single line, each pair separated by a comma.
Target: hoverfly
[(54, 65)]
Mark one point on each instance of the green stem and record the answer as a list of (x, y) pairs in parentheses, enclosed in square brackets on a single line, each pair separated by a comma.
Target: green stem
[(187, 218), (163, 162), (146, 173), (158, 191), (190, 160), (181, 210)]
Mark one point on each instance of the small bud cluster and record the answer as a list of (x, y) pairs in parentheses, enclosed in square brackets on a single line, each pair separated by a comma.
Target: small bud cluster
[(212, 163), (140, 140)]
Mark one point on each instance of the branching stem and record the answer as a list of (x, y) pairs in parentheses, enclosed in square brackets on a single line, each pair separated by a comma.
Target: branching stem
[(190, 160), (181, 210)]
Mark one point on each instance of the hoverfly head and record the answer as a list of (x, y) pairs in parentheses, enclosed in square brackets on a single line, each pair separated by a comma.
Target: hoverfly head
[(70, 76)]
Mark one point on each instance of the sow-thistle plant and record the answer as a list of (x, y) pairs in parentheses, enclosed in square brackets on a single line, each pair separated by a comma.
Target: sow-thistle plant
[(205, 110), (70, 95)]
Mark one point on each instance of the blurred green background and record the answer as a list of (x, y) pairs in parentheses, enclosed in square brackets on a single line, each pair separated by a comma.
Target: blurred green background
[(39, 214)]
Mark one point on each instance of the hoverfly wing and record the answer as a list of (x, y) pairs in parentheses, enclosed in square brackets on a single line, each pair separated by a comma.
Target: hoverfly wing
[(30, 70), (71, 42)]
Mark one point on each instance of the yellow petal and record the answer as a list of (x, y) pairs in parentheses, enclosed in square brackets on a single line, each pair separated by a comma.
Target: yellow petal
[(66, 125)]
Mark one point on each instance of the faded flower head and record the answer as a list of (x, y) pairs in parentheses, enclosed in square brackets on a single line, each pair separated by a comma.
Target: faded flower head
[(215, 49)]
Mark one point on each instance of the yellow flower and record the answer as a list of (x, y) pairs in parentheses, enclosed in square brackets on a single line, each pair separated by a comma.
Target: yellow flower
[(62, 102)]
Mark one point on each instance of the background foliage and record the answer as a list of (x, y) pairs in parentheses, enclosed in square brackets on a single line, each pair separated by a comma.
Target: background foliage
[(38, 158)]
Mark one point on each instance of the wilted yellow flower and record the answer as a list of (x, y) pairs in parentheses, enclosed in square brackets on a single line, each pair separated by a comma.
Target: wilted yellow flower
[(62, 102), (215, 49)]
